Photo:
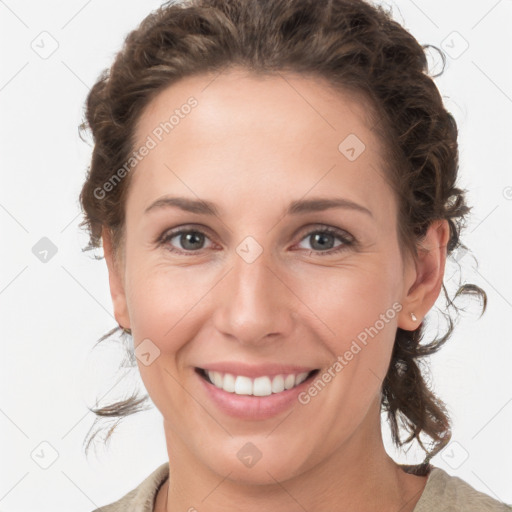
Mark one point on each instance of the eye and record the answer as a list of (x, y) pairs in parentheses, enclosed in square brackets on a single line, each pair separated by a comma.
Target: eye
[(188, 240), (322, 241)]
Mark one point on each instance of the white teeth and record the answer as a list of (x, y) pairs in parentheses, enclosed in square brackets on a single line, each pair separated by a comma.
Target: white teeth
[(278, 384), (228, 383), (260, 386), (217, 378), (289, 381), (243, 386), (301, 378)]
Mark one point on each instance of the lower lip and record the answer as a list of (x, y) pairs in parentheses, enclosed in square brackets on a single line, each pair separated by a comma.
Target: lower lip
[(250, 407)]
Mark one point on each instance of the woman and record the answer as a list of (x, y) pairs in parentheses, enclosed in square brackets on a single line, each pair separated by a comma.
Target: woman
[(274, 187)]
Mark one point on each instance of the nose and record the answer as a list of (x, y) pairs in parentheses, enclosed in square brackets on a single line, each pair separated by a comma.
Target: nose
[(253, 304)]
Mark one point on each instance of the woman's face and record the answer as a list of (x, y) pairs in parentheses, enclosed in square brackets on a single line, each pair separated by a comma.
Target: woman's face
[(259, 288)]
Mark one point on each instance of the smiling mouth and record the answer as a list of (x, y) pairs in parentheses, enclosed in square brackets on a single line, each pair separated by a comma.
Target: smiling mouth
[(259, 386)]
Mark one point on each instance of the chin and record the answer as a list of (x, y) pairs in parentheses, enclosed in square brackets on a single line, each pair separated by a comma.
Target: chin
[(252, 466)]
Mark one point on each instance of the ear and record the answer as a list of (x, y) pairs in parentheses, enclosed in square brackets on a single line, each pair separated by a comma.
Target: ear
[(116, 282), (423, 283)]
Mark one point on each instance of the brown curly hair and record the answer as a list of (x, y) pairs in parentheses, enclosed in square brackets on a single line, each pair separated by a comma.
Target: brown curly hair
[(352, 45)]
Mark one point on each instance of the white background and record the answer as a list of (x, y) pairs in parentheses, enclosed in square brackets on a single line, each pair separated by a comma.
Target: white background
[(53, 312)]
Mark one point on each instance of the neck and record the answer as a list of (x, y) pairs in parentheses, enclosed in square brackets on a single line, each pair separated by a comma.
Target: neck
[(359, 474)]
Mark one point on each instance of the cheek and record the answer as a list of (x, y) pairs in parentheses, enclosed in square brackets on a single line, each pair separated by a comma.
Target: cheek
[(351, 300), (164, 302), (358, 309), (344, 303), (163, 318)]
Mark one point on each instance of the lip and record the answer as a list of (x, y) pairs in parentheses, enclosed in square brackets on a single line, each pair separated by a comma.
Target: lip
[(253, 371), (253, 408)]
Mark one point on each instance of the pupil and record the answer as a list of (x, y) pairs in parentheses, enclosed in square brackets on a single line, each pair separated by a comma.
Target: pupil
[(321, 238), (189, 239)]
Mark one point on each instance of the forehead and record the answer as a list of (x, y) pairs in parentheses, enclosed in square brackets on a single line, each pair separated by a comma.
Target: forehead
[(259, 132), (259, 100)]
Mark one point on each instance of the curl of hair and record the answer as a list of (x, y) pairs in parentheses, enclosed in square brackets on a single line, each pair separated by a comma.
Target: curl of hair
[(351, 45)]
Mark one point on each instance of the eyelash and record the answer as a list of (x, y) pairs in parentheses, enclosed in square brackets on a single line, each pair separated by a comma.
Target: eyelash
[(348, 241)]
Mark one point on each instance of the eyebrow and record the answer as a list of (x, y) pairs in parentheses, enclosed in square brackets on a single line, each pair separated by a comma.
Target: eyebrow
[(295, 208)]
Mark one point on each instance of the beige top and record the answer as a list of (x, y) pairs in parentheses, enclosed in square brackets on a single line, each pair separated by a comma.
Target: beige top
[(442, 493)]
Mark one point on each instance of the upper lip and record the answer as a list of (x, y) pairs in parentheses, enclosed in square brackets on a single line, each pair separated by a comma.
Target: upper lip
[(253, 371)]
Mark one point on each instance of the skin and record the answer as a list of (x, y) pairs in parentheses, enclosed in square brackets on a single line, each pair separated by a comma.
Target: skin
[(253, 145)]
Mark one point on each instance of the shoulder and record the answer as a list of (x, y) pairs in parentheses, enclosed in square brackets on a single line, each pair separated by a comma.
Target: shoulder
[(446, 493), (140, 499)]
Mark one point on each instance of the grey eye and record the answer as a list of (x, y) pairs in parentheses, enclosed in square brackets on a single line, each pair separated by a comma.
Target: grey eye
[(191, 240)]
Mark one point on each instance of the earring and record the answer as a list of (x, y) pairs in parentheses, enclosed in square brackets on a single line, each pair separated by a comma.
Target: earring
[(413, 317)]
